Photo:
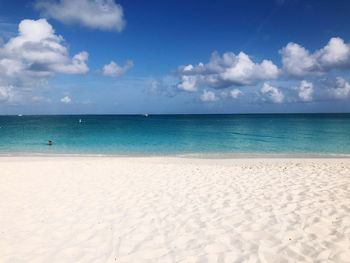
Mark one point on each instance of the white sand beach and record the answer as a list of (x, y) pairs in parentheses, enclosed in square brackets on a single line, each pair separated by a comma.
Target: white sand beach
[(169, 209)]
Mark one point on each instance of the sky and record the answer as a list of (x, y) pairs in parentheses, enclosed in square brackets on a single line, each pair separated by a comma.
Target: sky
[(168, 57)]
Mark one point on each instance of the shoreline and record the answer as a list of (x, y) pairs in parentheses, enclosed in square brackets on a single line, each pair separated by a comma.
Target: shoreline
[(184, 156)]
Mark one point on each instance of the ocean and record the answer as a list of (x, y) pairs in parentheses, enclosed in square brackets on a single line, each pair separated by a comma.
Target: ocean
[(245, 134)]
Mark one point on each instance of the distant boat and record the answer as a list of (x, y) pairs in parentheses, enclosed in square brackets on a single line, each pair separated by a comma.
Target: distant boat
[(144, 115), (20, 115), (80, 121)]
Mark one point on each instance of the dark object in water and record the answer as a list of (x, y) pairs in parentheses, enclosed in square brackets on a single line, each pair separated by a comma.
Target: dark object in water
[(49, 143)]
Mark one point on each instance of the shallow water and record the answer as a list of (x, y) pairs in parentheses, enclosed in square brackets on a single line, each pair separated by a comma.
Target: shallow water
[(178, 134)]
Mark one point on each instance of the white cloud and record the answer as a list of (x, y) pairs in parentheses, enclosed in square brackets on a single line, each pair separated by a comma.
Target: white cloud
[(208, 96), (228, 70), (114, 70), (188, 83), (96, 14), (222, 72), (298, 61), (272, 93), (235, 93), (242, 71), (6, 93), (77, 66), (341, 90), (188, 68), (36, 53), (66, 100), (305, 91)]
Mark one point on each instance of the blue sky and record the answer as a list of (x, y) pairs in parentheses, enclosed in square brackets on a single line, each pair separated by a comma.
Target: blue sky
[(121, 57)]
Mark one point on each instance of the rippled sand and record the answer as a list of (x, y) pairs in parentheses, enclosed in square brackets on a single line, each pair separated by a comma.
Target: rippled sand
[(90, 209)]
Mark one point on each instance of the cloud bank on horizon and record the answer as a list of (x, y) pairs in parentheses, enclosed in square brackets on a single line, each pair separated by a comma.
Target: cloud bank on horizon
[(36, 54), (230, 70)]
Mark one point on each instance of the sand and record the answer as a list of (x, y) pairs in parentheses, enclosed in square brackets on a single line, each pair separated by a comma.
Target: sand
[(168, 209)]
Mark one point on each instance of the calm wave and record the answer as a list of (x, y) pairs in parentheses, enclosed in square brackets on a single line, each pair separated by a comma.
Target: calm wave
[(178, 134)]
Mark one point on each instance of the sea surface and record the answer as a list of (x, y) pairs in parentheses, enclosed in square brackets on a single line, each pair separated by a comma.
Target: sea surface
[(249, 134)]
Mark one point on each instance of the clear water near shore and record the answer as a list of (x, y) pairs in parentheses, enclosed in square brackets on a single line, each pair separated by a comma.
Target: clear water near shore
[(177, 134)]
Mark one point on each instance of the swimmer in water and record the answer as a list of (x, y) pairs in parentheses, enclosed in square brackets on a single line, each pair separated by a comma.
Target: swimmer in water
[(49, 143)]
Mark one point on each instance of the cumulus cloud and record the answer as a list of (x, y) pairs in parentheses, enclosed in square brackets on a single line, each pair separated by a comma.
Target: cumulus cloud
[(6, 93), (66, 100), (225, 71), (188, 83), (208, 96), (96, 14), (38, 51), (305, 91), (35, 54), (341, 89), (229, 69), (114, 70), (273, 94), (298, 61), (235, 93), (77, 65)]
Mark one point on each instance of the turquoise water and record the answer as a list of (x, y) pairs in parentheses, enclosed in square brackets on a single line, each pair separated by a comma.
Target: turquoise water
[(177, 134)]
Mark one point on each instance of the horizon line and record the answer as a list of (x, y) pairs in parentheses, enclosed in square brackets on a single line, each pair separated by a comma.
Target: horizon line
[(163, 114)]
